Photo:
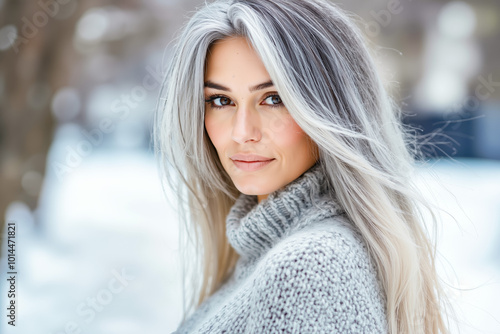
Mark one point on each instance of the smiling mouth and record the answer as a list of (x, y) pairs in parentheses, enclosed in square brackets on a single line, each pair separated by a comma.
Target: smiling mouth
[(251, 166)]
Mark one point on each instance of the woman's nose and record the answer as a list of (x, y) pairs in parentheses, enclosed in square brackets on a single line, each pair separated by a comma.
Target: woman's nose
[(246, 125)]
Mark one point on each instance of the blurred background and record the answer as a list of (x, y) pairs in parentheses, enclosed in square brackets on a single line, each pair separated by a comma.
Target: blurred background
[(96, 239)]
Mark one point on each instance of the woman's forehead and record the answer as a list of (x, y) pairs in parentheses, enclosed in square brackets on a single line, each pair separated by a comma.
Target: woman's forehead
[(233, 60)]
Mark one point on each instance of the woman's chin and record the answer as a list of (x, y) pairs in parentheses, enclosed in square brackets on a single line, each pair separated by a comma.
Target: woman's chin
[(253, 189)]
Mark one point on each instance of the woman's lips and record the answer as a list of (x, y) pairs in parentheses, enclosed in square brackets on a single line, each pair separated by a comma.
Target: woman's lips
[(251, 166)]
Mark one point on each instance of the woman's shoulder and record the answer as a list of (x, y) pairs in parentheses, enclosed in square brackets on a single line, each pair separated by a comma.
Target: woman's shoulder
[(331, 245), (321, 274)]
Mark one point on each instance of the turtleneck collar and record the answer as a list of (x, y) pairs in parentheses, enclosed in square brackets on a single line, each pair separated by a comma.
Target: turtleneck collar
[(252, 228)]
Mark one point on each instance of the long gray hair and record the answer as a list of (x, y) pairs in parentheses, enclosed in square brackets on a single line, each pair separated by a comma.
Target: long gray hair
[(323, 71)]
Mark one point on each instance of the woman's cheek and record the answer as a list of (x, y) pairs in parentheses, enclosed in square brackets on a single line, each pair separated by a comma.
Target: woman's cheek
[(214, 130), (277, 126), (287, 131)]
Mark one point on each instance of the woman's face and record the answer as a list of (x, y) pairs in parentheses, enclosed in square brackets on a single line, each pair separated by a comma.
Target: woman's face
[(259, 144)]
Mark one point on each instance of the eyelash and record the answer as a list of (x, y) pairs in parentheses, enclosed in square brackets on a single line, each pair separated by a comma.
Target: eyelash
[(213, 97)]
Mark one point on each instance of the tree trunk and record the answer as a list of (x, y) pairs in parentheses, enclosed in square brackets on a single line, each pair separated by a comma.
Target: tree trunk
[(36, 64)]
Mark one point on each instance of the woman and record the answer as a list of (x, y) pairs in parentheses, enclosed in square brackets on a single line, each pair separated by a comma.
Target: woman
[(293, 177)]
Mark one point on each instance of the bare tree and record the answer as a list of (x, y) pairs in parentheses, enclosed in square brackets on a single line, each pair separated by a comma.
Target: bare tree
[(34, 66)]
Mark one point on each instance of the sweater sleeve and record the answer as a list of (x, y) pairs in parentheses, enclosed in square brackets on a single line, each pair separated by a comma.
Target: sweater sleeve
[(317, 282)]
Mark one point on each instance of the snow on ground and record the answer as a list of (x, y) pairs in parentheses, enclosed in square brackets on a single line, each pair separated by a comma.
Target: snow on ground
[(102, 257), (468, 191)]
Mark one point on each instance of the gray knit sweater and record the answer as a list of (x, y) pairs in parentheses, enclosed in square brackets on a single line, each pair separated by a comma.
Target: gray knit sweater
[(302, 268)]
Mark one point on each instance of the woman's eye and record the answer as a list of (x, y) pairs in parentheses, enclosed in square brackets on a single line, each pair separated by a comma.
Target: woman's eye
[(273, 100), (220, 101)]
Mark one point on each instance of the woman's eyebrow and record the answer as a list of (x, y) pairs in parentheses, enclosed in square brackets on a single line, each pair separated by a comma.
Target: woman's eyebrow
[(211, 84), (264, 85)]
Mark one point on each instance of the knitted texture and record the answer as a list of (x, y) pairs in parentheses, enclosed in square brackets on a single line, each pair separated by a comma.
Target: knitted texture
[(303, 268)]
